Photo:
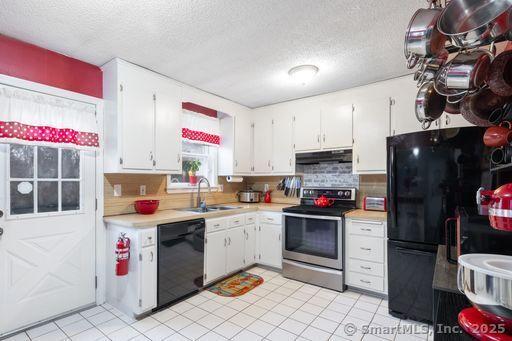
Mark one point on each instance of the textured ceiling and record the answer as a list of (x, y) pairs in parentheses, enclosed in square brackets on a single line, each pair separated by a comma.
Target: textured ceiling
[(238, 49)]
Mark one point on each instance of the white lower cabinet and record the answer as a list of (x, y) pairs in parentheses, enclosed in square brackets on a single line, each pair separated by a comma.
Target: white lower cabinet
[(135, 293), (366, 255), (229, 246), (270, 247), (235, 249)]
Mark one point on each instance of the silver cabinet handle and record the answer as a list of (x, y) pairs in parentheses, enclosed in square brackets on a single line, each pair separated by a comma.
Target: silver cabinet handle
[(268, 163), (229, 240), (279, 236), (365, 248), (290, 161), (246, 235), (324, 137), (151, 155), (365, 282), (216, 225), (357, 159), (1, 231), (152, 256), (225, 242), (236, 163), (368, 230), (365, 267), (318, 138), (178, 158), (447, 120)]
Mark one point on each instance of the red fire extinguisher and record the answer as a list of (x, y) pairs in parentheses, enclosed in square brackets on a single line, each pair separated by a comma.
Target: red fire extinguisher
[(122, 255)]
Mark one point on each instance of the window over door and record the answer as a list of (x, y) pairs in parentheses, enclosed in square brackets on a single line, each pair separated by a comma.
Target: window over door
[(43, 180)]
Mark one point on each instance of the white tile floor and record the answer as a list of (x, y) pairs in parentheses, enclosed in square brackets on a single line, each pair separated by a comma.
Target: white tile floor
[(278, 310)]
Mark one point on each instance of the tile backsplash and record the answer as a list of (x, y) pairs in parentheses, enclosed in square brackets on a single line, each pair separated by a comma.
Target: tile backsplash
[(329, 175)]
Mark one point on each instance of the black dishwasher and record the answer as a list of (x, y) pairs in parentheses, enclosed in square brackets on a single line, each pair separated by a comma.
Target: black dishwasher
[(180, 260)]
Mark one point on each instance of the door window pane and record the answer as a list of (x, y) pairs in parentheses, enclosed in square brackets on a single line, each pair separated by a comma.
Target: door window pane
[(47, 162), (70, 195), (47, 196), (21, 161), (70, 164), (22, 197)]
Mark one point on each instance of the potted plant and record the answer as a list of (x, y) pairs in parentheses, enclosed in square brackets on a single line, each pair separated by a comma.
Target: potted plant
[(192, 167)]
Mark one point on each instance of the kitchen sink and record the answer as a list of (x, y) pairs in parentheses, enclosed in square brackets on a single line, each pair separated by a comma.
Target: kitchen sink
[(209, 209)]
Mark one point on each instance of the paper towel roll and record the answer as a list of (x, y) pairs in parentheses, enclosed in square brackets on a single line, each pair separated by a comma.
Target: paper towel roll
[(234, 179)]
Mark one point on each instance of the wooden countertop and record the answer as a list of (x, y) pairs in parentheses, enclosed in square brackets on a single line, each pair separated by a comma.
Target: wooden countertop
[(173, 216), (368, 215)]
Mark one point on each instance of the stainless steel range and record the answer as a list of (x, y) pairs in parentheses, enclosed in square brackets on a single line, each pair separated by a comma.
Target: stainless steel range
[(313, 237)]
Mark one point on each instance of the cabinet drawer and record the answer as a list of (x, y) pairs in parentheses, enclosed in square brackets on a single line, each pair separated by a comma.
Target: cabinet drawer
[(366, 228), (366, 248), (364, 267), (237, 220), (250, 219), (366, 281), (148, 237), (213, 225), (270, 218)]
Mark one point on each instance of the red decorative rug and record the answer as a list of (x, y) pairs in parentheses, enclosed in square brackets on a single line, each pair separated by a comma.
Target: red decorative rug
[(236, 285)]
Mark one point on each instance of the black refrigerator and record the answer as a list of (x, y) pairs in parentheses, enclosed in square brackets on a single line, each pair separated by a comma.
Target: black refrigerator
[(429, 175)]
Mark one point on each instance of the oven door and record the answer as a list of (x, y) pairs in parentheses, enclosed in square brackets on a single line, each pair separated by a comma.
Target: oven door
[(313, 239)]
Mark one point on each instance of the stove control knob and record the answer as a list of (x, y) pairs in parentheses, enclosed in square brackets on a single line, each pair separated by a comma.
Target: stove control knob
[(341, 193), (347, 194)]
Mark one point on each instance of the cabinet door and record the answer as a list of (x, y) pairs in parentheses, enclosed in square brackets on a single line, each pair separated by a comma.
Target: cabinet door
[(270, 245), (138, 113), (215, 255), (282, 133), (243, 145), (263, 143), (235, 254), (403, 118), (371, 127), (168, 126), (307, 128), (454, 121), (250, 244), (148, 278), (336, 121)]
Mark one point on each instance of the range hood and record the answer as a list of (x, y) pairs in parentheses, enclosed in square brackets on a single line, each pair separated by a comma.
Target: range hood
[(340, 156)]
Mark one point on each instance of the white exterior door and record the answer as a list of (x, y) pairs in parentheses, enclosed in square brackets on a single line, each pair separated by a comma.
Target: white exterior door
[(168, 127), (47, 250)]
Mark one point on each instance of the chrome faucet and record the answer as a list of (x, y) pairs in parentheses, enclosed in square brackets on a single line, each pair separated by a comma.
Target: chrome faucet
[(202, 203)]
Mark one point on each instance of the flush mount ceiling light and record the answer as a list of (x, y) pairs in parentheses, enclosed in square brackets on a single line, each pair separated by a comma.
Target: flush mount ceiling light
[(303, 73)]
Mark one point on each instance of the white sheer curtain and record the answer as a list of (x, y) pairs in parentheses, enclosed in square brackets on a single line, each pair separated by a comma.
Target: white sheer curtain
[(199, 128), (28, 117)]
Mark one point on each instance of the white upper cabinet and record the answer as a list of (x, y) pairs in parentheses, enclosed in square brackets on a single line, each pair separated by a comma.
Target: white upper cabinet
[(371, 127), (282, 136), (168, 127), (137, 106), (142, 120), (307, 128), (403, 118), (336, 122), (262, 126), (235, 150)]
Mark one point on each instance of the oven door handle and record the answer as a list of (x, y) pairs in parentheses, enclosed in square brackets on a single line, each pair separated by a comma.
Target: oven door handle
[(310, 216)]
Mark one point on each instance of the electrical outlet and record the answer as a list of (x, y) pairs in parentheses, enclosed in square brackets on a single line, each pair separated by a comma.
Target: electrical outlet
[(142, 190), (118, 191)]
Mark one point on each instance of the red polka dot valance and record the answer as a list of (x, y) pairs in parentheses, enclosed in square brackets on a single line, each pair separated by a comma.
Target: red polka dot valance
[(198, 128), (28, 117)]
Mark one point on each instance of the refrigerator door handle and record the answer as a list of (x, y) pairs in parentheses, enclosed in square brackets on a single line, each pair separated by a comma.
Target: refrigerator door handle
[(413, 252), (392, 187), (448, 240)]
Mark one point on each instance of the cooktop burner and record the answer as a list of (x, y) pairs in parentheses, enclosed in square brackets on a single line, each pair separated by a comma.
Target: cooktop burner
[(344, 200)]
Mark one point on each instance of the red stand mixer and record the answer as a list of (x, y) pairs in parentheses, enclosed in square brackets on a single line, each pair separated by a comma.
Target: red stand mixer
[(486, 279)]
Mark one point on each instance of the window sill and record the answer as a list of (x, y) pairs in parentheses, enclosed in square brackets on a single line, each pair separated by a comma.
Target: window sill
[(187, 188)]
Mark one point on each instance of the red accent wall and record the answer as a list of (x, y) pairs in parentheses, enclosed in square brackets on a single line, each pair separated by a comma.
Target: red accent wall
[(23, 60)]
